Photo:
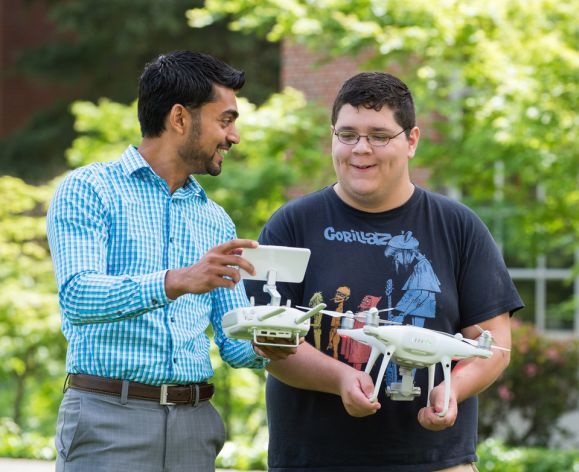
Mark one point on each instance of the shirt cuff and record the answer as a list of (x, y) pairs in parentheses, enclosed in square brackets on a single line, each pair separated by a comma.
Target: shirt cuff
[(259, 361), (153, 290)]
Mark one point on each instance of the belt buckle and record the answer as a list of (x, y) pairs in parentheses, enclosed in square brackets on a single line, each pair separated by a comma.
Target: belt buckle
[(164, 394)]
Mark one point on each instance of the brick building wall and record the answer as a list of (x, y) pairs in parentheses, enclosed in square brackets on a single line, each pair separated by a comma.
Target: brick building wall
[(318, 79), (23, 25)]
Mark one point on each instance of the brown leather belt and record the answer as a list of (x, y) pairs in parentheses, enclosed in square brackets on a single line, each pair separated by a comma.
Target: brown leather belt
[(166, 394)]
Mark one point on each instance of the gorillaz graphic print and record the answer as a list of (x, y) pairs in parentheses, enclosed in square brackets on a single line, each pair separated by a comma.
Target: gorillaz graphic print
[(418, 286)]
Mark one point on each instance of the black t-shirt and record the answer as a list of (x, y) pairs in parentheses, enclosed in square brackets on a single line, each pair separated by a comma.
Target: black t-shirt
[(436, 264)]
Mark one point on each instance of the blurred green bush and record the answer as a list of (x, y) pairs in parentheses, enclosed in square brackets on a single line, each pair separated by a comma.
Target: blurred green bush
[(540, 386), (494, 456), (19, 444)]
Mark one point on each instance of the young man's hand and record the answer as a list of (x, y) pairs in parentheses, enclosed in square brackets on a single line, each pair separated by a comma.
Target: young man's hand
[(356, 388), (428, 416)]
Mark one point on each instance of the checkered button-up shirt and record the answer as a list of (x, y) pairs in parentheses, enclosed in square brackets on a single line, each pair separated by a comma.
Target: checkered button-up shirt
[(114, 229)]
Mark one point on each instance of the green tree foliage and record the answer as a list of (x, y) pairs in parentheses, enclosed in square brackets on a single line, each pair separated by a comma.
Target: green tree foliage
[(105, 129), (98, 50), (494, 81), (31, 346)]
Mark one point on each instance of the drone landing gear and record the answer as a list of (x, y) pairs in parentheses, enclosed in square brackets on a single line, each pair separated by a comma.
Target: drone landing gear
[(405, 390)]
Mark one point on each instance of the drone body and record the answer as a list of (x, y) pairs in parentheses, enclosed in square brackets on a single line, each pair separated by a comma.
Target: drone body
[(422, 347), (283, 323), (413, 347)]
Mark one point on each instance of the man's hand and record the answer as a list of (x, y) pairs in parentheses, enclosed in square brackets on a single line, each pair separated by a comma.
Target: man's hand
[(356, 388), (219, 267), (428, 417)]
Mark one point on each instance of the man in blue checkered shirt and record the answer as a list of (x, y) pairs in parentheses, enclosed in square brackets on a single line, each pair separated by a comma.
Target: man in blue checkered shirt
[(145, 261)]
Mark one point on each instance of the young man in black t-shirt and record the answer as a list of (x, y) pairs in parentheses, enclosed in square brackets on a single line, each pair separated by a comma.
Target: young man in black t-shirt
[(377, 240)]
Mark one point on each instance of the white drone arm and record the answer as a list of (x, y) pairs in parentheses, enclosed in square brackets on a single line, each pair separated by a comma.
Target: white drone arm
[(271, 314), (308, 314)]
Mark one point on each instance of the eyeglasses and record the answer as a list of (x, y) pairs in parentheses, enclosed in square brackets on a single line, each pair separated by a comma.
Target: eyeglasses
[(374, 139)]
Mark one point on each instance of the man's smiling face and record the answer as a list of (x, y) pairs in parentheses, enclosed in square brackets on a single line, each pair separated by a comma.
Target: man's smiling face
[(368, 176), (212, 134)]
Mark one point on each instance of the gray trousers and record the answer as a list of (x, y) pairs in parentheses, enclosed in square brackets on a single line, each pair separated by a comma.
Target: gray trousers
[(96, 432)]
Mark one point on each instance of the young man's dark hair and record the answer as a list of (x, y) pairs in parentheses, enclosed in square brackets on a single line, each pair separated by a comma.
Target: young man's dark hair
[(373, 90), (183, 77)]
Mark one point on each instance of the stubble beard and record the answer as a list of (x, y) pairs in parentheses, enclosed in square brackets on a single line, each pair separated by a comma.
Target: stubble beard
[(194, 157)]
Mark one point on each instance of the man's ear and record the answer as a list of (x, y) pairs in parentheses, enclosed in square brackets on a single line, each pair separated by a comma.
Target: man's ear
[(177, 118)]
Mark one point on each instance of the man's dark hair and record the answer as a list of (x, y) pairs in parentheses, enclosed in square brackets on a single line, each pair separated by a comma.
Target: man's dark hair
[(183, 77), (373, 90)]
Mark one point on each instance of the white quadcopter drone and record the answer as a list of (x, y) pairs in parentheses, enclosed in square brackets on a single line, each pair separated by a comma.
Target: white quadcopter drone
[(272, 264), (412, 347)]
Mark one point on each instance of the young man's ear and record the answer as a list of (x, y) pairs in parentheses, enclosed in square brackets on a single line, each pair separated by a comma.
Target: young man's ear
[(413, 139)]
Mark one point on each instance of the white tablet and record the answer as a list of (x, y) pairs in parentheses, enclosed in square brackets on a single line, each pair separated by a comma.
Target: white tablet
[(289, 263)]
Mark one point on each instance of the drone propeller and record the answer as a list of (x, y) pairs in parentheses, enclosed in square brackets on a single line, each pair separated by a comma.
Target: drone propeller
[(359, 316), (390, 322), (500, 348), (475, 343), (335, 314), (485, 340), (376, 311)]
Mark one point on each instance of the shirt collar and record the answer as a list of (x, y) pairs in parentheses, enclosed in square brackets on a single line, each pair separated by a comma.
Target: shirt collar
[(132, 161), (192, 187)]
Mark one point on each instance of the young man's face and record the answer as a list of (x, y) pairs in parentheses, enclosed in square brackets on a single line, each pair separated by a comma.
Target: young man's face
[(371, 177), (212, 134)]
